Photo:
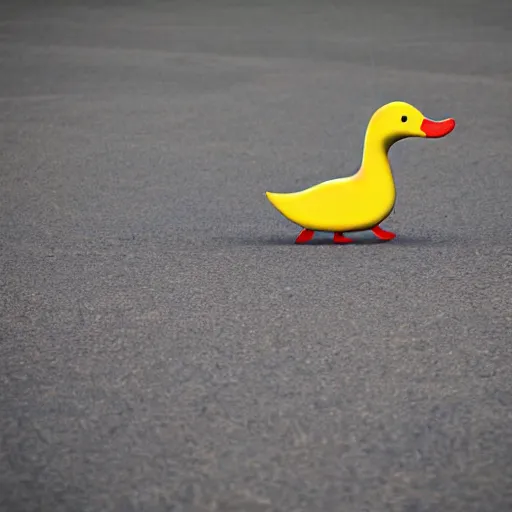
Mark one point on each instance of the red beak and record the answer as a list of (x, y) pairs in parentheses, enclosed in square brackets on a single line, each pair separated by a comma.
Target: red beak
[(436, 129)]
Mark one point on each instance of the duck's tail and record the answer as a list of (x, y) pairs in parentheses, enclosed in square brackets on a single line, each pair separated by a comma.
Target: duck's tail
[(274, 197), (285, 204)]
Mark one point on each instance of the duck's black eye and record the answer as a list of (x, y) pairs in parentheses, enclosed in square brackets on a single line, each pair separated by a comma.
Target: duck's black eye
[(404, 119)]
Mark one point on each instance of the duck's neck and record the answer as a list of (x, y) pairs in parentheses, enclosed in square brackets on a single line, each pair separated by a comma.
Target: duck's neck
[(375, 154)]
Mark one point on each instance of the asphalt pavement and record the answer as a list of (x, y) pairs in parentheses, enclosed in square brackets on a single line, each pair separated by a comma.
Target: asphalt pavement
[(165, 346)]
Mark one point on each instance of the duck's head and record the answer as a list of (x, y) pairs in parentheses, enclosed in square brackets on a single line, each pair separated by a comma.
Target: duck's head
[(398, 120)]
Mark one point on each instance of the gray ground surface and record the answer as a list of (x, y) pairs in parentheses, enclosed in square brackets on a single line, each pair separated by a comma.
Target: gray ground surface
[(165, 345)]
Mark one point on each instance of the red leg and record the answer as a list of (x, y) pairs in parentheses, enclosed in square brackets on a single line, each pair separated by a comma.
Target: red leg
[(305, 236), (340, 238), (382, 234)]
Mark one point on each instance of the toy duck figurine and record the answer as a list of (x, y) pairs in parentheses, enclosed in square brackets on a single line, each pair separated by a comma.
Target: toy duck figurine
[(362, 201)]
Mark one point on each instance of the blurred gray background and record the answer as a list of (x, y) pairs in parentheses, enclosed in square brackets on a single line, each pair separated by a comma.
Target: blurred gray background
[(164, 344)]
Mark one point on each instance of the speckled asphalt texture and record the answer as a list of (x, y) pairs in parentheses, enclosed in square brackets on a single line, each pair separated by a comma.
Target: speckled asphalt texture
[(164, 344)]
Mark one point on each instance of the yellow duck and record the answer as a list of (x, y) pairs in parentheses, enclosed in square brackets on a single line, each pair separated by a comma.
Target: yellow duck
[(362, 201)]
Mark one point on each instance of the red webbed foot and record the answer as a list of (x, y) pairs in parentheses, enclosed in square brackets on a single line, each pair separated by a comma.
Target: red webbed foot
[(340, 238), (306, 235), (382, 234)]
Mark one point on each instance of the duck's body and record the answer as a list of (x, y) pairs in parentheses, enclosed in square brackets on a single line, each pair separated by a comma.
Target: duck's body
[(361, 201), (355, 203)]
